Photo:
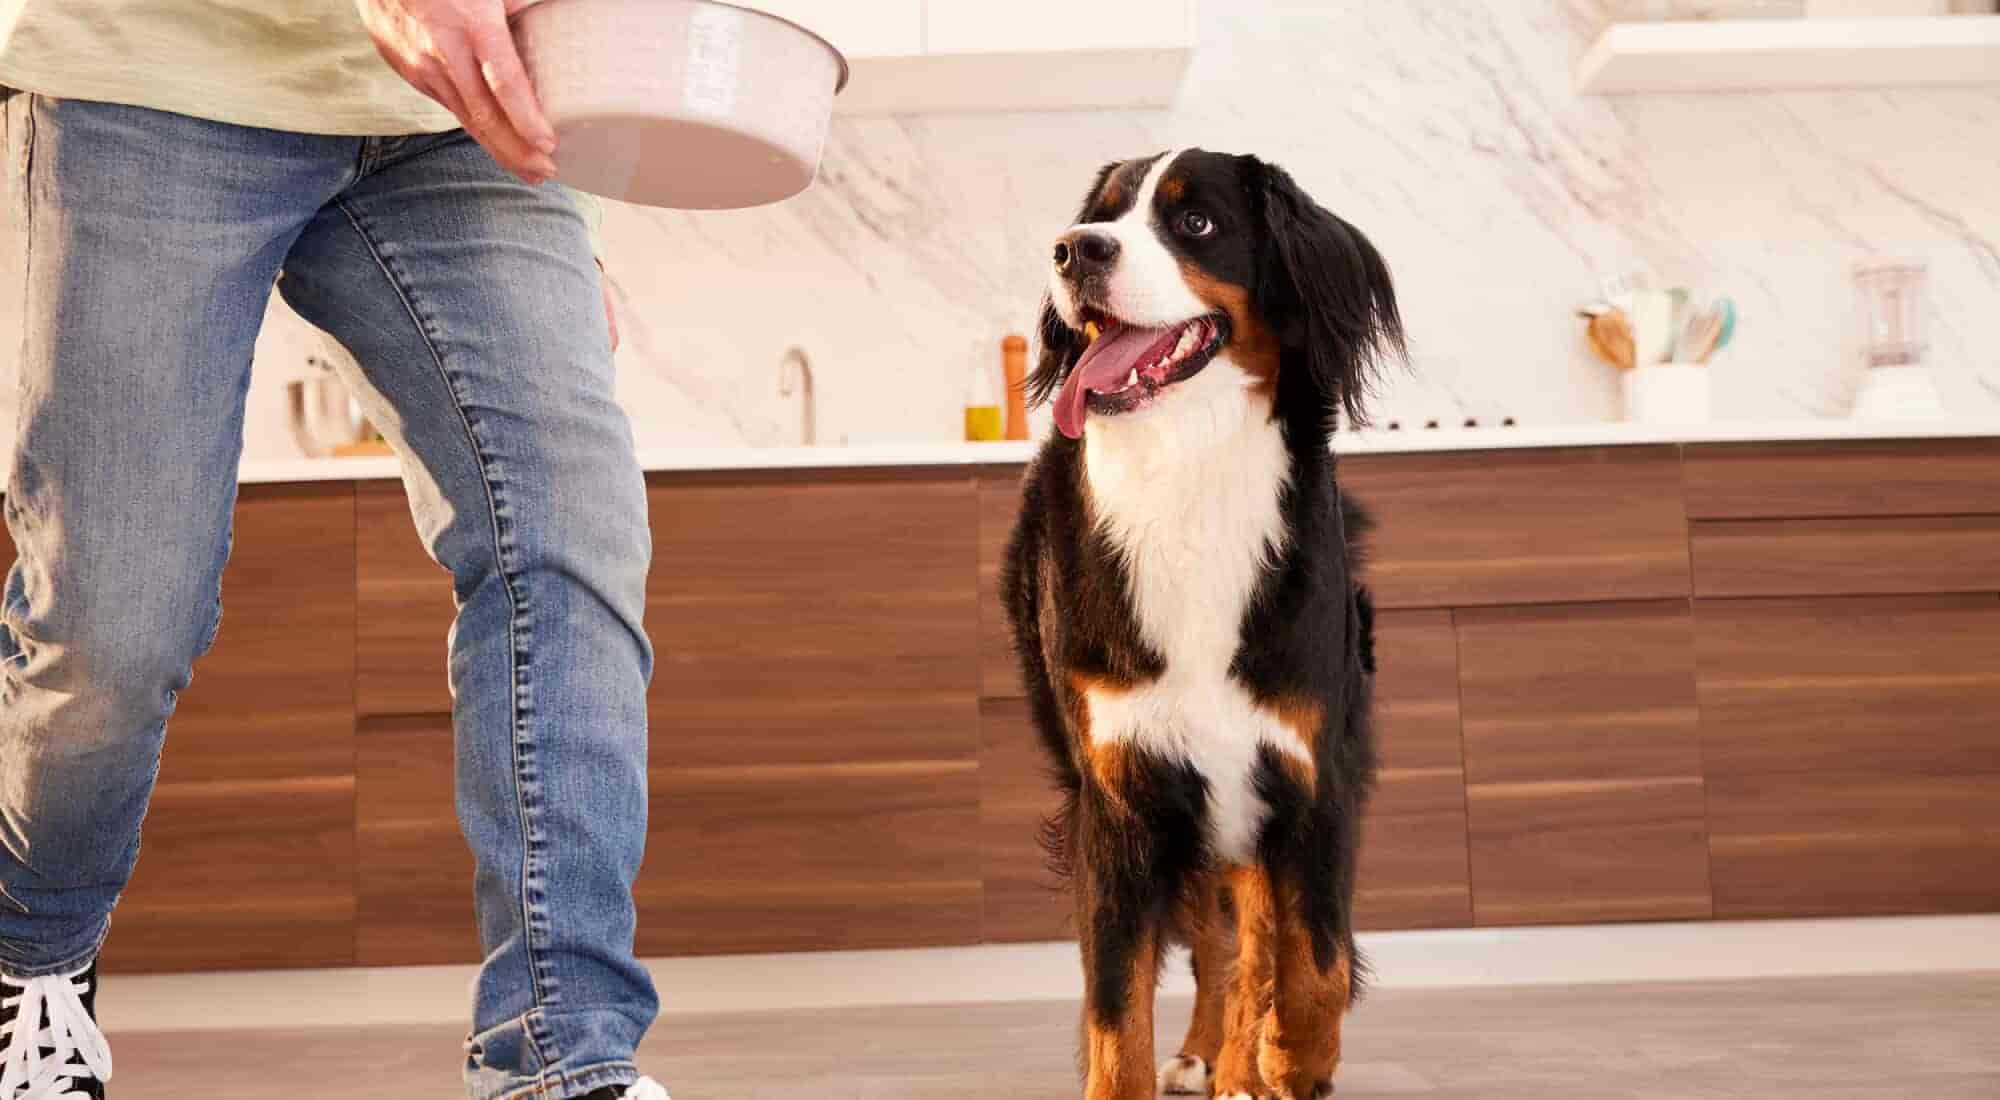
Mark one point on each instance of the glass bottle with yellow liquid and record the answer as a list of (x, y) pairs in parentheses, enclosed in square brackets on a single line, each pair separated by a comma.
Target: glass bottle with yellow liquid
[(984, 422)]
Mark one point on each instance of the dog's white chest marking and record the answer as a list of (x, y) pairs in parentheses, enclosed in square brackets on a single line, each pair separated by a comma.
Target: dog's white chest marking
[(1188, 491)]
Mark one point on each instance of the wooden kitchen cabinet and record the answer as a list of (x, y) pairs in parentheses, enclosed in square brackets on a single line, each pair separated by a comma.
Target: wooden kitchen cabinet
[(815, 766), (1523, 527), (247, 855), (1583, 763), (1576, 724), (1853, 754)]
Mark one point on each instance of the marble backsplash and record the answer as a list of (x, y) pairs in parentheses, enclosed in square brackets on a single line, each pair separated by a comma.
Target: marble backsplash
[(1447, 131)]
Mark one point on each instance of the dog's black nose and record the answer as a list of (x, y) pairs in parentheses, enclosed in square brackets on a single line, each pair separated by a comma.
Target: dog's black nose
[(1084, 252)]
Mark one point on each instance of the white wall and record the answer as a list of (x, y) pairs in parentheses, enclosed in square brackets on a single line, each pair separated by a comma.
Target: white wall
[(1446, 130)]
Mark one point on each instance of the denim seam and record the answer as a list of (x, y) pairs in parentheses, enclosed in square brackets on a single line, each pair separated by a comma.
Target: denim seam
[(27, 185), (517, 672), (27, 256)]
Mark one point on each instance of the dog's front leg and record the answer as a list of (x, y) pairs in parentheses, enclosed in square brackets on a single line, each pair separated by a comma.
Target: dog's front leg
[(1202, 923), (1300, 1047), (1121, 957), (1251, 987)]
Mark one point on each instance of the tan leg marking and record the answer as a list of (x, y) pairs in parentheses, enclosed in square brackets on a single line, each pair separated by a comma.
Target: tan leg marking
[(1250, 992), (1210, 937), (1120, 1056), (1300, 1049)]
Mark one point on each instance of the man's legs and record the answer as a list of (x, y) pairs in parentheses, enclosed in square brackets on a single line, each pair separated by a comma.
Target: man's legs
[(152, 241), (471, 302)]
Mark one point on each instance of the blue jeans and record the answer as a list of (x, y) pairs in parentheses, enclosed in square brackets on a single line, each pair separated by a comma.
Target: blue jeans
[(471, 302)]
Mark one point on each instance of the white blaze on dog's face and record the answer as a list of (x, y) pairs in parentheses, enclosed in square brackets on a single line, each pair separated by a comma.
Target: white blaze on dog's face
[(1158, 273), (1140, 281)]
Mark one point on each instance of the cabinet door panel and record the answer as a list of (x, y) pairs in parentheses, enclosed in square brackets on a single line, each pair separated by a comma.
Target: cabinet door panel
[(406, 610), (1025, 899), (1582, 762), (1413, 871), (1852, 754), (248, 850), (415, 884), (999, 506), (815, 713)]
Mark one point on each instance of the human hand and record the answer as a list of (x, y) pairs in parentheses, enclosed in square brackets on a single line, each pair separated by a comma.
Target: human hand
[(460, 53)]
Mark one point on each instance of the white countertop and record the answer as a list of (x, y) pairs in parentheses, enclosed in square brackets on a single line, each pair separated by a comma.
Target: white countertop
[(660, 459)]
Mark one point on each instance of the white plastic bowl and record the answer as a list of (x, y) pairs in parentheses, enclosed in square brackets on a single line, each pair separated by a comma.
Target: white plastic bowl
[(688, 104)]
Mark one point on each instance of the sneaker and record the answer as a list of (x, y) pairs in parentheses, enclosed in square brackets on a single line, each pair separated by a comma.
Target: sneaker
[(645, 1088), (50, 1048)]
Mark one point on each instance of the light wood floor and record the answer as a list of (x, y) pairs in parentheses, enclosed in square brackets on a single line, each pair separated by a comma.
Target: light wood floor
[(1934, 1037)]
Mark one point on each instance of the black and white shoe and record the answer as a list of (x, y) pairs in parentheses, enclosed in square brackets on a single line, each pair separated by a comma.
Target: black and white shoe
[(645, 1088), (50, 1047)]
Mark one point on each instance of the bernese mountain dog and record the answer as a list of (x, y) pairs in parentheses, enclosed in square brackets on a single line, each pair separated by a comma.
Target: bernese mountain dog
[(1182, 587)]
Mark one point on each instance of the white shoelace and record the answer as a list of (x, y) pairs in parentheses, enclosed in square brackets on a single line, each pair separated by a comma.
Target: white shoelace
[(51, 1042), (645, 1088)]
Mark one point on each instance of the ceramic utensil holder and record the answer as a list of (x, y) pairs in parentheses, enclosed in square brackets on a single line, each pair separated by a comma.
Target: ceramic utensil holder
[(1666, 393)]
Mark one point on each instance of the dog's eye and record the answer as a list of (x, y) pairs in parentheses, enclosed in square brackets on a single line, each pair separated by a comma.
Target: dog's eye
[(1194, 223)]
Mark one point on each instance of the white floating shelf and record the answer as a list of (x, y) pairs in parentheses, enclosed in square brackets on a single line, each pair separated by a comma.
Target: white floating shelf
[(929, 56), (1747, 55)]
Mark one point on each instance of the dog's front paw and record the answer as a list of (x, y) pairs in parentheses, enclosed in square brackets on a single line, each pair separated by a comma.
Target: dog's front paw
[(1184, 1075)]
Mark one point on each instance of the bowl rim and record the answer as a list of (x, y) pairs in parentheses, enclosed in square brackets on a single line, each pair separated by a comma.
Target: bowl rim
[(839, 58)]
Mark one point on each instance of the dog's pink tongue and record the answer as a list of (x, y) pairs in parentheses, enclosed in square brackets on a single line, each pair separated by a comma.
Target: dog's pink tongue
[(1103, 368)]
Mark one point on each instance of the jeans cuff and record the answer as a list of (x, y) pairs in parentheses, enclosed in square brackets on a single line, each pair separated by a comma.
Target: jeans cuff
[(72, 962), (571, 1086)]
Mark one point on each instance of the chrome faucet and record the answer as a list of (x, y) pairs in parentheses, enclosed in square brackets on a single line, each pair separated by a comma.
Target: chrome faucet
[(795, 372)]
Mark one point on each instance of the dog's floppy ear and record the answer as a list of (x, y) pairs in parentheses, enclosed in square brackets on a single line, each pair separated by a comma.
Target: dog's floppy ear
[(1326, 291), (1061, 346)]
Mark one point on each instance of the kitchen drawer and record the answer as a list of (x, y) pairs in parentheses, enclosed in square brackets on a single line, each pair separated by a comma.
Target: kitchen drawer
[(406, 609), (1849, 478), (1841, 557), (1583, 764), (1516, 527), (1845, 844), (1852, 754)]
